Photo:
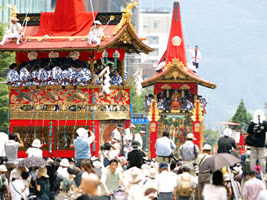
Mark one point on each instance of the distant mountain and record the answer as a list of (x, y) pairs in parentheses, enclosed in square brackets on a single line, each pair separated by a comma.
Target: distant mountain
[(232, 38)]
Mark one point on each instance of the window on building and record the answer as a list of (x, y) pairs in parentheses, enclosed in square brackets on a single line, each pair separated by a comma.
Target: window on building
[(153, 39), (156, 24)]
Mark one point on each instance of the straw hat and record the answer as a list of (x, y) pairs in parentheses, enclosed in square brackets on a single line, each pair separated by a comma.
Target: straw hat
[(42, 171), (152, 173), (16, 173), (82, 132), (64, 163), (36, 143), (136, 175), (3, 168), (190, 136), (206, 147)]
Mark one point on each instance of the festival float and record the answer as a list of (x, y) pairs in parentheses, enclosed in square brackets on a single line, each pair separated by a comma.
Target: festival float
[(52, 113), (177, 105)]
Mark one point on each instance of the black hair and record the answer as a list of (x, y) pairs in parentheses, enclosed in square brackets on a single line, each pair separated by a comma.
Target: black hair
[(217, 178), (12, 66), (166, 133), (114, 161), (25, 175), (252, 173), (186, 169), (12, 136), (173, 165)]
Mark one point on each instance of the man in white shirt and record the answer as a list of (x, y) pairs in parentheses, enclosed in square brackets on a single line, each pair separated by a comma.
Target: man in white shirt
[(18, 189), (35, 150), (164, 148), (165, 183), (14, 31), (138, 137), (128, 131), (195, 55), (96, 33)]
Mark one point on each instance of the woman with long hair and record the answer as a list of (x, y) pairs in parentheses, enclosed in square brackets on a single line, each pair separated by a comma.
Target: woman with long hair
[(216, 190)]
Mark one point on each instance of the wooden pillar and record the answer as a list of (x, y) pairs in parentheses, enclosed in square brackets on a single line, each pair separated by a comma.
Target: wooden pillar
[(122, 72), (92, 69)]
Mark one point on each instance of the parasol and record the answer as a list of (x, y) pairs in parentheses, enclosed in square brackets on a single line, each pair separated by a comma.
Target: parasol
[(32, 162), (219, 161)]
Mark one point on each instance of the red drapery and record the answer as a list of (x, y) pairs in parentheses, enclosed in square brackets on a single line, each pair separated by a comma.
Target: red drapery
[(176, 86), (23, 56), (69, 19)]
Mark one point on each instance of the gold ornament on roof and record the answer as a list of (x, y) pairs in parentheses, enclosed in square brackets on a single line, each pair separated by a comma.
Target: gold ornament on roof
[(177, 62), (74, 55), (32, 55), (126, 17), (53, 54)]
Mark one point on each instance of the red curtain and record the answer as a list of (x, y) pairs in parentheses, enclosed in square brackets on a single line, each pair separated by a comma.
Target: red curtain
[(176, 86), (70, 19)]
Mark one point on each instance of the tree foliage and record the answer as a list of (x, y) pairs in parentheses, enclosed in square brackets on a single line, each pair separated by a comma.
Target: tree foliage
[(6, 59), (211, 136), (138, 101), (242, 116)]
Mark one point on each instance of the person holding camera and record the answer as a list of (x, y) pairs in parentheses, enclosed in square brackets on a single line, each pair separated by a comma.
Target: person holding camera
[(82, 145), (256, 139), (11, 149)]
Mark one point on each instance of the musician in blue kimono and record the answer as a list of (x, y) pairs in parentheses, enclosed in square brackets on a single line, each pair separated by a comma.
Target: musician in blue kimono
[(42, 77), (25, 75), (99, 80), (56, 75), (125, 75), (73, 74), (64, 78), (35, 75), (116, 78), (49, 76), (13, 77), (83, 76)]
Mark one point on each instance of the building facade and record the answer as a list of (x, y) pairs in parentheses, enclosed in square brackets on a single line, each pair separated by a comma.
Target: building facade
[(24, 6), (154, 26)]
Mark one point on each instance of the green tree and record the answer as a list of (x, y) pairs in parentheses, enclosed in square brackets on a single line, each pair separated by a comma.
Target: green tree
[(242, 116), (6, 59), (211, 136), (138, 101)]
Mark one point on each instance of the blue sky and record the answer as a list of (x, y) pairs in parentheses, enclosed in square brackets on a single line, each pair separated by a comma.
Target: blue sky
[(232, 38)]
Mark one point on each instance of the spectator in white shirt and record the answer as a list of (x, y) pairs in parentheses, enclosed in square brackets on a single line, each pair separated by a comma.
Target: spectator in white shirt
[(252, 187), (35, 150), (63, 168), (165, 183), (18, 189)]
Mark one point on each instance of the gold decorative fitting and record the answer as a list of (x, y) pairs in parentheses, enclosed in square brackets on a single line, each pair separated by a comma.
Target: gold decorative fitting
[(126, 17), (126, 39), (53, 54), (185, 87), (32, 55), (166, 87), (74, 55)]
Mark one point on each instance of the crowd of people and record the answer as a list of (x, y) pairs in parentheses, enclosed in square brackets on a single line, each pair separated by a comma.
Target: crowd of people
[(60, 71), (123, 171)]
